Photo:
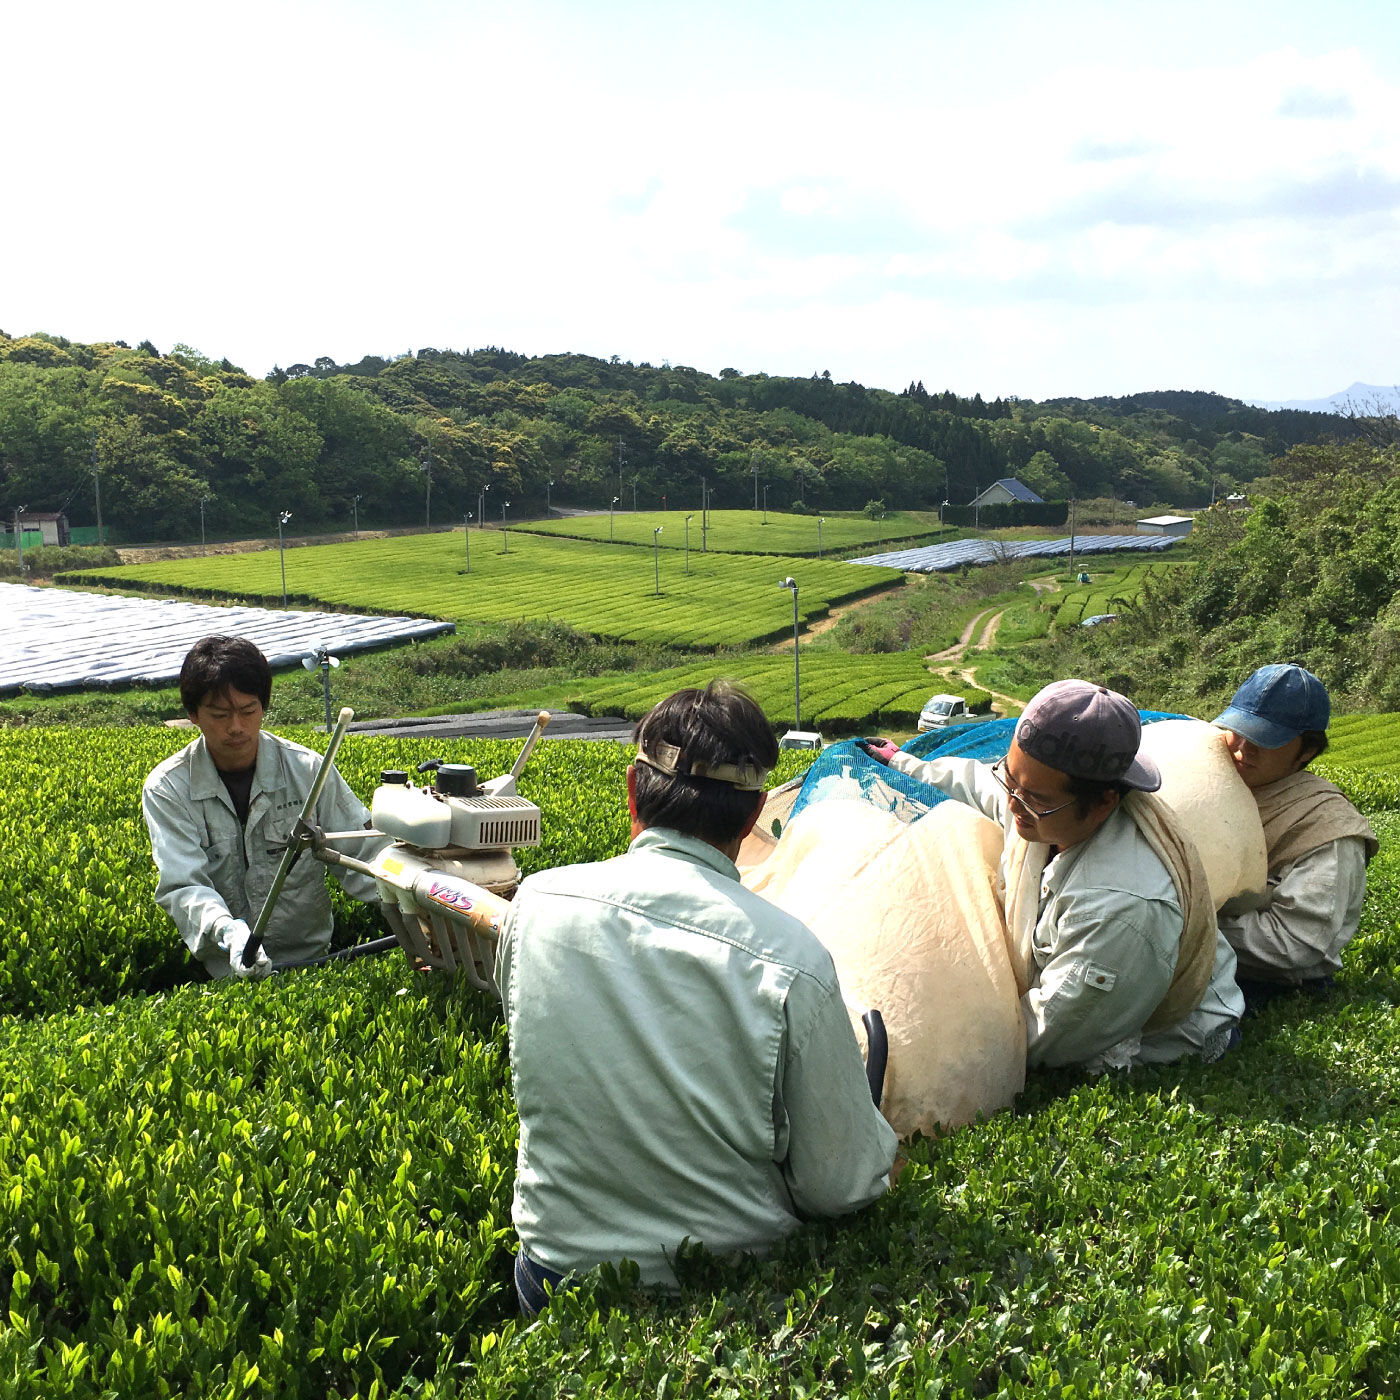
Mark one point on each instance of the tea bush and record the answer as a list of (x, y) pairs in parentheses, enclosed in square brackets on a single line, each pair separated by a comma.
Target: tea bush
[(743, 532), (606, 590), (300, 1188), (839, 692)]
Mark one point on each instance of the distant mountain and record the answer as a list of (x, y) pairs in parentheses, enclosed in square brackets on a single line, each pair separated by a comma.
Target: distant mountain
[(1365, 400)]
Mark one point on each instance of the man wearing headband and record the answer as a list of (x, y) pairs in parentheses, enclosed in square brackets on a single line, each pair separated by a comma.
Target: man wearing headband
[(1318, 843), (1106, 902), (683, 1063)]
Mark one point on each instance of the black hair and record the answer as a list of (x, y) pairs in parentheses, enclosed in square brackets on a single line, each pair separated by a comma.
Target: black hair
[(721, 724), (216, 664), (1314, 744), (1089, 792)]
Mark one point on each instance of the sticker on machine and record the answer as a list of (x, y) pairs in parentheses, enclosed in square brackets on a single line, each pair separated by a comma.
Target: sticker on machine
[(460, 897)]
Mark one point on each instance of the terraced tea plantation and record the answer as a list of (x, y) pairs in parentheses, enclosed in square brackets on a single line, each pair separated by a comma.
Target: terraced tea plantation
[(743, 531), (840, 694), (1110, 591), (610, 591)]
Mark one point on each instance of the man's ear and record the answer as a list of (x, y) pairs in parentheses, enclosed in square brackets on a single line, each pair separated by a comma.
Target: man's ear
[(757, 810)]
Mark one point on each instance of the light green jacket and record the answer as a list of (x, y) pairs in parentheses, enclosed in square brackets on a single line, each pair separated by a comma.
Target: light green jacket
[(212, 871), (683, 1064)]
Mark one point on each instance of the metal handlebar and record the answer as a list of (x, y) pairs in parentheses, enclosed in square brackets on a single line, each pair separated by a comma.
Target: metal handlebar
[(297, 842)]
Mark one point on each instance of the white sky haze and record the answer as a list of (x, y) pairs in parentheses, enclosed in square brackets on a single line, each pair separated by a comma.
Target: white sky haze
[(1006, 198)]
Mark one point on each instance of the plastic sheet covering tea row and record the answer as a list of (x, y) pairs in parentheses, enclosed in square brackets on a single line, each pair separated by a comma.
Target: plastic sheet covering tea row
[(942, 558), (55, 638)]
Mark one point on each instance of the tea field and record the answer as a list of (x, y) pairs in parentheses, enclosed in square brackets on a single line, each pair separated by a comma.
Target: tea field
[(300, 1188), (1370, 742), (841, 694), (1109, 591), (743, 531), (609, 591)]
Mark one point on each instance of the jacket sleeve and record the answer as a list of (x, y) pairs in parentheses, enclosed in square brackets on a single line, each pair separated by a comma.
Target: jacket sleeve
[(963, 779), (1310, 917), (340, 810), (839, 1148), (185, 887)]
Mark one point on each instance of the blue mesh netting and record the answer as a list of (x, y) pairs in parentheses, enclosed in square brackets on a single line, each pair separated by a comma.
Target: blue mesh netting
[(845, 770)]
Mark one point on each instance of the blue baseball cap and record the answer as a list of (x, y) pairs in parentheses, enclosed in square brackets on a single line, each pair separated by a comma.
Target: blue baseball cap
[(1277, 704)]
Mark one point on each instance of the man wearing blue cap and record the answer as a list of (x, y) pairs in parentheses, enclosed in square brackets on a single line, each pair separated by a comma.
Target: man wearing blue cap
[(1106, 902), (1318, 843)]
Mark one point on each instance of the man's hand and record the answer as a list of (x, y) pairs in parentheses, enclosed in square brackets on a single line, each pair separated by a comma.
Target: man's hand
[(233, 940), (881, 750)]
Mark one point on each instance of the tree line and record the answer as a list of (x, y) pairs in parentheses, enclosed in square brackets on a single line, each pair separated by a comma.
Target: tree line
[(174, 442)]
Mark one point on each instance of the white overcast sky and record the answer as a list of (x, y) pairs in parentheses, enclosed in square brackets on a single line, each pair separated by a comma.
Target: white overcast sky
[(1033, 198)]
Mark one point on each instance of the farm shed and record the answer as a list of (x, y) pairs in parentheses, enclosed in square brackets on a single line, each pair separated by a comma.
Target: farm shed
[(1175, 526), (50, 525)]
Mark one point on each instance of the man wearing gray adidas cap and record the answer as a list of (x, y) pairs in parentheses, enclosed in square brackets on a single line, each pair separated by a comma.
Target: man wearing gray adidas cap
[(1106, 902), (1318, 844)]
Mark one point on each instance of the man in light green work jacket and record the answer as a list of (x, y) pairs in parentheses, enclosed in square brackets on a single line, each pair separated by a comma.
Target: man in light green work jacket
[(683, 1062), (220, 811)]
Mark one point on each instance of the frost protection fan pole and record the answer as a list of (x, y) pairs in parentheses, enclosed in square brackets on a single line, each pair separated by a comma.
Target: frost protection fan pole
[(296, 840), (796, 653)]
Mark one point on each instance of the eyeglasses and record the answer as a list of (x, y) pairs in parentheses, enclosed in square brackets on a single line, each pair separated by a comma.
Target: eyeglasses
[(998, 771)]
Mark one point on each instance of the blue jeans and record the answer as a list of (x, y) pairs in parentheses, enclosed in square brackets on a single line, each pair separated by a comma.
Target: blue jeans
[(530, 1279)]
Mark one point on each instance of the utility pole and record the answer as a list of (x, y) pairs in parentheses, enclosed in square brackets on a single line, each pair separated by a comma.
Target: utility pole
[(202, 500), (19, 538), (656, 557), (355, 508), (97, 488), (505, 533), (688, 519), (1072, 504), (467, 538), (428, 488)]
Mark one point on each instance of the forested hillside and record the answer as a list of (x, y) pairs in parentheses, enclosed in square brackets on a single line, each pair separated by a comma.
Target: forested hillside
[(417, 438), (1310, 573)]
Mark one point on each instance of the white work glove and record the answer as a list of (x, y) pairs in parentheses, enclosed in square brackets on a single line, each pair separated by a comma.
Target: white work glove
[(233, 940)]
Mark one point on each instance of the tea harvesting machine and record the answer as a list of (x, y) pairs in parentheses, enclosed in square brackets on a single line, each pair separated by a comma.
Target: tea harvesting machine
[(446, 876)]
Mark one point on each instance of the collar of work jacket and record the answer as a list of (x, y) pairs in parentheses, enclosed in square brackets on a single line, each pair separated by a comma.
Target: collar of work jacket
[(665, 840), (269, 773)]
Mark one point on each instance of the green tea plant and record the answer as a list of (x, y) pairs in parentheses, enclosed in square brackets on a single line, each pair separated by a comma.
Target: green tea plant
[(609, 591), (742, 531), (1110, 590), (839, 692), (300, 1188), (1370, 742)]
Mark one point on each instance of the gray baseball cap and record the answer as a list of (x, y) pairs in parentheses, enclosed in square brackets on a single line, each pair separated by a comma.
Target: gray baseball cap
[(1087, 731)]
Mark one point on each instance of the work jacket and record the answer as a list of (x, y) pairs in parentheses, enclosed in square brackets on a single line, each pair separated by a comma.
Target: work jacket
[(214, 870), (1106, 942), (683, 1063)]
